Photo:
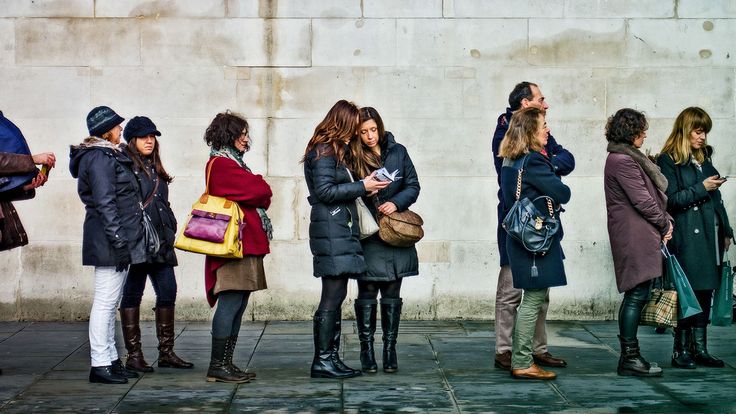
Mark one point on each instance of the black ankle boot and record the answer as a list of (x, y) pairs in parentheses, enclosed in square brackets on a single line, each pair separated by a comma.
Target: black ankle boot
[(220, 370), (365, 318), (390, 317), (681, 356), (700, 349), (105, 375), (323, 364), (119, 369), (631, 363)]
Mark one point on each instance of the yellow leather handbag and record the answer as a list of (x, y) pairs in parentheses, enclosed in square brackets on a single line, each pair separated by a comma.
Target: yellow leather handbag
[(214, 227)]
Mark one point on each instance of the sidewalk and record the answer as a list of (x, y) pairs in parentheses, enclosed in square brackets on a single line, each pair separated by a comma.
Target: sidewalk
[(444, 367)]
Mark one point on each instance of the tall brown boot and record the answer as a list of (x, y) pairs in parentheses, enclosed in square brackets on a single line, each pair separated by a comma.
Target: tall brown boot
[(130, 321), (165, 333)]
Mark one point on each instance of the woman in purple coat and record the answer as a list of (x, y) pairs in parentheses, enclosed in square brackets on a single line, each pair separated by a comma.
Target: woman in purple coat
[(635, 199)]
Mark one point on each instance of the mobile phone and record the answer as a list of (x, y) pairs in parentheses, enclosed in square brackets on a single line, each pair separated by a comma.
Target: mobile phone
[(45, 170)]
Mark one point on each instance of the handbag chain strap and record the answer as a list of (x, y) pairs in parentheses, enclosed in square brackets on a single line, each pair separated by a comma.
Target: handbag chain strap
[(518, 189)]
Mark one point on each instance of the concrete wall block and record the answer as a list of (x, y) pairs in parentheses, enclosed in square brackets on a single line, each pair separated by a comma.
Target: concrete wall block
[(66, 42), (54, 135), (362, 42), (53, 270), (289, 268), (7, 42), (586, 192), (433, 251), (463, 42), (157, 9), (620, 8), (283, 212), (468, 197), (11, 269), (473, 271), (402, 8), (68, 8), (705, 9), (178, 134), (682, 42), (56, 199), (586, 142), (721, 138), (287, 141), (53, 93), (233, 42), (652, 91), (294, 8), (576, 42), (303, 210), (191, 92), (422, 138), (500, 8)]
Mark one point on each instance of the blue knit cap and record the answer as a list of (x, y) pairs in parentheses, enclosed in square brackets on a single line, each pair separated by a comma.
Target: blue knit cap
[(102, 119)]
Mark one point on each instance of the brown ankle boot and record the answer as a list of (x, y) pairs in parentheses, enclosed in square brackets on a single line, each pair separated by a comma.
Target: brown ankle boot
[(165, 333), (130, 322)]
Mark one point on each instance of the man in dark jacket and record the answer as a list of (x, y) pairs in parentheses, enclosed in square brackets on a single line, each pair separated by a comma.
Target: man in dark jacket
[(524, 95)]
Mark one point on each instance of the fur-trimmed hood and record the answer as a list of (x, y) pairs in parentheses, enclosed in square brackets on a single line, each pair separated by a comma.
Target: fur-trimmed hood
[(76, 152)]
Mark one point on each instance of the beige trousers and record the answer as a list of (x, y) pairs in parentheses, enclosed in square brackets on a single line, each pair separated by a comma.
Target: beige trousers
[(508, 299)]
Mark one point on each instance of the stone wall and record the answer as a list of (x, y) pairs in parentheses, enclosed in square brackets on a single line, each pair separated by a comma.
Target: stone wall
[(439, 71)]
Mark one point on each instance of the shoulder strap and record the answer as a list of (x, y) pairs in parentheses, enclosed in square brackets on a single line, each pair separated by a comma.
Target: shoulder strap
[(518, 178), (209, 171), (153, 193)]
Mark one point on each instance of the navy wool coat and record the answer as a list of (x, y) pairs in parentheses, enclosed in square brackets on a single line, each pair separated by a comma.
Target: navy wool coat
[(334, 235), (538, 179)]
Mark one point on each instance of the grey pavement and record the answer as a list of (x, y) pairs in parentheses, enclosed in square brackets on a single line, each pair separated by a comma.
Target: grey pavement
[(444, 367)]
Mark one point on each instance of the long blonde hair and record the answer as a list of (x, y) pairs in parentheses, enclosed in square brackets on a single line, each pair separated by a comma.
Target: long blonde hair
[(521, 136), (678, 145)]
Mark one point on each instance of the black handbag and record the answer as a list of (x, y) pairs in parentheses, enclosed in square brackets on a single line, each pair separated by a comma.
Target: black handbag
[(151, 239), (525, 224)]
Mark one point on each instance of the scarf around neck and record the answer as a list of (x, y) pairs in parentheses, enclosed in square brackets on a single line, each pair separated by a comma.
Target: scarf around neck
[(237, 156), (650, 169)]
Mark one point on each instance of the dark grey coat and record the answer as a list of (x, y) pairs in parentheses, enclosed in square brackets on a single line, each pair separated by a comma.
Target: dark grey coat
[(110, 193), (333, 222), (386, 262), (538, 179), (695, 212)]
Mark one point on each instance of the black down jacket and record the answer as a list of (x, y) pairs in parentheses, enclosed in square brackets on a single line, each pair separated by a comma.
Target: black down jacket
[(333, 223), (110, 193), (386, 262), (160, 212)]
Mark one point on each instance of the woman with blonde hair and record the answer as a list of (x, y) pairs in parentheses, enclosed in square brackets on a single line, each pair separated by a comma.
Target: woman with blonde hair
[(702, 230), (522, 149), (333, 229)]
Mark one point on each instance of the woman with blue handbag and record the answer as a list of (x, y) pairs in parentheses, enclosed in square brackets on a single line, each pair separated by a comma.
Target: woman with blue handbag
[(702, 230), (528, 173)]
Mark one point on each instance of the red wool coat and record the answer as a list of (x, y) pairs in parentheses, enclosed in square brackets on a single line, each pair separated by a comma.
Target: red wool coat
[(230, 180)]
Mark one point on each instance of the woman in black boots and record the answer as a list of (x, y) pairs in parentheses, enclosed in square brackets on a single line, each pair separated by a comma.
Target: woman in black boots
[(635, 199), (387, 265), (333, 230), (143, 150), (702, 230)]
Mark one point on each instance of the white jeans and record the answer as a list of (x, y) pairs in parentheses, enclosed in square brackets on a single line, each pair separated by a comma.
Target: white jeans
[(108, 290)]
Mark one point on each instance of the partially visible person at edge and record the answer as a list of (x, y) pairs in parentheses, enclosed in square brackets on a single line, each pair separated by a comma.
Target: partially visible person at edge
[(387, 265), (230, 282), (333, 229), (524, 148), (113, 234), (524, 95), (143, 148), (12, 233), (635, 199), (702, 231)]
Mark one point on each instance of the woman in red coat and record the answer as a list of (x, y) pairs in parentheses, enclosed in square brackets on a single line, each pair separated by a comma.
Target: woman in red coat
[(229, 282)]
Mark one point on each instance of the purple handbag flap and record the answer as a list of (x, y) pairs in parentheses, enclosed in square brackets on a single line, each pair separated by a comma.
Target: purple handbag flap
[(207, 228), (208, 214)]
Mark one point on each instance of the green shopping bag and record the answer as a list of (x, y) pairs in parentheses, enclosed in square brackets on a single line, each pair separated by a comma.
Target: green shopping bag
[(686, 299), (721, 312)]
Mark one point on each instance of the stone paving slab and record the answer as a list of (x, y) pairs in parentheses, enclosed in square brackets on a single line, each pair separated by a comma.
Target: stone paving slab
[(445, 367)]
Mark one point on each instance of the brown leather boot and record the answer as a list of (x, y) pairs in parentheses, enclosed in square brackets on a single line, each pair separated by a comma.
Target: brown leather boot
[(165, 333), (130, 322)]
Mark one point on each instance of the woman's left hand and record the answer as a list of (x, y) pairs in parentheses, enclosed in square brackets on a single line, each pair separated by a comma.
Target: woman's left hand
[(387, 208), (727, 243)]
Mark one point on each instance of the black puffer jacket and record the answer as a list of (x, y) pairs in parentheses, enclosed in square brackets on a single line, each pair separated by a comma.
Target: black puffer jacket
[(109, 191), (385, 262), (160, 212), (333, 223)]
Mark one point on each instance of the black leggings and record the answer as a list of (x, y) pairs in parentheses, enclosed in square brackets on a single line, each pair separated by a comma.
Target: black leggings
[(389, 290), (231, 305), (334, 291), (631, 307), (701, 319)]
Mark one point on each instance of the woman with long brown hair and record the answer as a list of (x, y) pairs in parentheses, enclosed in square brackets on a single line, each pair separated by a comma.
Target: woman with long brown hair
[(387, 265), (333, 229)]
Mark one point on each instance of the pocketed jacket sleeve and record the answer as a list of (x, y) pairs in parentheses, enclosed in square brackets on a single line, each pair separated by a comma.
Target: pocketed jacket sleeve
[(322, 179)]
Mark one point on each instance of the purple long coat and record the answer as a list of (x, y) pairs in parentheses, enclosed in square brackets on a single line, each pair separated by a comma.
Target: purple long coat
[(637, 220)]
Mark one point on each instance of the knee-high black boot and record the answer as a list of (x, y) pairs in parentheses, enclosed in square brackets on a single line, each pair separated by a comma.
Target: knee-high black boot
[(390, 318), (365, 318), (700, 349), (336, 340), (323, 364), (681, 354)]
